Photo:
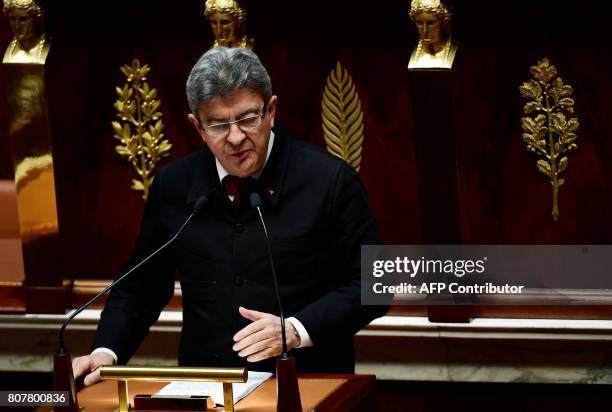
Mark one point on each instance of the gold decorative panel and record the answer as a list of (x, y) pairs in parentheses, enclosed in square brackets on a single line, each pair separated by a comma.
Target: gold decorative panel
[(548, 131), (342, 117), (140, 129)]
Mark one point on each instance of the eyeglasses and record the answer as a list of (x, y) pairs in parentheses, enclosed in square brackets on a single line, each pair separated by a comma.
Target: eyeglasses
[(247, 124)]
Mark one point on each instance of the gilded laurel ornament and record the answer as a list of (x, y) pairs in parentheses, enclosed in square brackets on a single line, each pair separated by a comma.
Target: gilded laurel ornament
[(549, 131), (342, 117), (140, 129)]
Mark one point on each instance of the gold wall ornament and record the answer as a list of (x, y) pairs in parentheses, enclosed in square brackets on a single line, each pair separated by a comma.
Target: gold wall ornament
[(342, 117), (140, 130), (29, 44), (227, 20), (435, 48), (548, 132)]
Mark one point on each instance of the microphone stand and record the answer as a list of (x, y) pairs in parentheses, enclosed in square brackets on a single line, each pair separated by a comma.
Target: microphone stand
[(287, 389), (63, 375)]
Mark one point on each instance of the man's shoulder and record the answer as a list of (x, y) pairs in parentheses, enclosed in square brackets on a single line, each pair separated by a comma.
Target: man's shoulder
[(177, 177)]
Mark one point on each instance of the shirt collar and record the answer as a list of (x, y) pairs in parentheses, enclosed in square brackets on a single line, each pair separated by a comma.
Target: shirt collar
[(222, 172)]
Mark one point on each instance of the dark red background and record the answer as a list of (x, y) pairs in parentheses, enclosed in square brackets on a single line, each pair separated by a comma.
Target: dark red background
[(502, 197)]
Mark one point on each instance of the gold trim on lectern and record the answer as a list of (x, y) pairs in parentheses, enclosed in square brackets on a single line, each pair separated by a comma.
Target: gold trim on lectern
[(123, 374)]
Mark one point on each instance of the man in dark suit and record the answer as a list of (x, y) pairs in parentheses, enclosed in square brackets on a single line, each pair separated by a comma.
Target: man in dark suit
[(317, 216)]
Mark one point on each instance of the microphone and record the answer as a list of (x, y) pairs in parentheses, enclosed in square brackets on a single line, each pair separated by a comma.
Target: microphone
[(287, 389), (63, 377), (257, 203)]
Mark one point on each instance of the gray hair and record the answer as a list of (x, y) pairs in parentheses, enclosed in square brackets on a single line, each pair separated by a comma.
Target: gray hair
[(222, 71)]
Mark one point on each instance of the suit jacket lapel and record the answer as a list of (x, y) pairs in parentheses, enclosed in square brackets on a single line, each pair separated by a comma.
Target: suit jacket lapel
[(270, 182)]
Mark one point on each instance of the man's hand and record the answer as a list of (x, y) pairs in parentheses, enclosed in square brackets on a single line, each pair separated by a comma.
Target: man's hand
[(91, 363), (262, 339)]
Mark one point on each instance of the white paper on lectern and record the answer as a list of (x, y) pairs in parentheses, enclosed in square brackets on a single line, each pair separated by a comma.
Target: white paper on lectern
[(215, 389)]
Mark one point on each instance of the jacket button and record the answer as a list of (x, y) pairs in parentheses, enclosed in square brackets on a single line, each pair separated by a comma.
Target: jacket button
[(239, 228), (238, 281)]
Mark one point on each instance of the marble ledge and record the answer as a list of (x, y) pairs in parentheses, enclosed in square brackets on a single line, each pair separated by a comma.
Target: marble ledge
[(392, 348), (387, 326)]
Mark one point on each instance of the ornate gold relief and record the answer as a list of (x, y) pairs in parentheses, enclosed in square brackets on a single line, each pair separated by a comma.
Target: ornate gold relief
[(140, 130), (548, 132), (342, 117)]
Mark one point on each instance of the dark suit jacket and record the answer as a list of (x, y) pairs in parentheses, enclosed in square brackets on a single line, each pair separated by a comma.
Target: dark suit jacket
[(317, 215)]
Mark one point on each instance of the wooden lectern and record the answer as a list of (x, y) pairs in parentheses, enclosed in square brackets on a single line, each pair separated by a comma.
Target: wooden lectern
[(319, 392)]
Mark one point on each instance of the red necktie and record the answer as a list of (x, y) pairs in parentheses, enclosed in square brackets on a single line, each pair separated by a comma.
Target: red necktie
[(234, 185)]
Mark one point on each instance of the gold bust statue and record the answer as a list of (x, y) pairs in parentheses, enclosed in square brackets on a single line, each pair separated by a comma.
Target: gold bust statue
[(435, 48), (29, 44), (227, 21)]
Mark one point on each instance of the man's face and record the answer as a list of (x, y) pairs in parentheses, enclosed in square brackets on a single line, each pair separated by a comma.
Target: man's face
[(241, 153)]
